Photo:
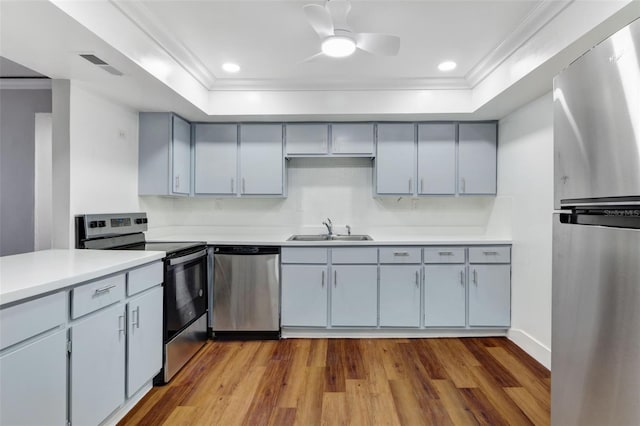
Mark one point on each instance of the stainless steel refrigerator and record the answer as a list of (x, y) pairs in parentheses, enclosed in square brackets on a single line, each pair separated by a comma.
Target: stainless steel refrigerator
[(595, 361)]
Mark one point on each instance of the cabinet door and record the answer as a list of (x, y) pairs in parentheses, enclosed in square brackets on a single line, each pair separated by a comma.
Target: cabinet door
[(352, 138), (477, 158), (395, 159), (144, 355), (437, 158), (33, 383), (216, 158), (261, 167), (444, 296), (354, 296), (490, 295), (399, 296), (97, 366), (181, 161), (304, 295), (307, 139)]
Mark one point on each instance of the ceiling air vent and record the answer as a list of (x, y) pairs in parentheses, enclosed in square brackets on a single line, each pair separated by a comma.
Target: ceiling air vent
[(100, 63)]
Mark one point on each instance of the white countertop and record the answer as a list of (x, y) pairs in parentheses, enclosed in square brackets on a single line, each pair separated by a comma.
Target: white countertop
[(31, 274), (278, 237)]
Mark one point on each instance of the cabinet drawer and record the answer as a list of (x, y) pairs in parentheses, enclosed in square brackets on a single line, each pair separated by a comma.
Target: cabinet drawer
[(400, 255), (444, 255), (354, 255), (304, 255), (145, 277), (98, 294), (25, 320), (489, 254)]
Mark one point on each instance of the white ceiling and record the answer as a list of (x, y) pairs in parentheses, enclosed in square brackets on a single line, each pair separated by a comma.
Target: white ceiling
[(170, 52), (270, 40)]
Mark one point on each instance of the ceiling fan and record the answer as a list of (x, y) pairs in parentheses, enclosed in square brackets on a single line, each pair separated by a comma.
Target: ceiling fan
[(338, 40)]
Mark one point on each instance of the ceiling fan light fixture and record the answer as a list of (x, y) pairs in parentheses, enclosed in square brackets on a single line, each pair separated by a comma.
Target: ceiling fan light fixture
[(447, 66), (338, 46)]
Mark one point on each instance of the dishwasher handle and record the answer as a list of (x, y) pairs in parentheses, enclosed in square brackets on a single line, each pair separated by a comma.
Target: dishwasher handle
[(246, 250)]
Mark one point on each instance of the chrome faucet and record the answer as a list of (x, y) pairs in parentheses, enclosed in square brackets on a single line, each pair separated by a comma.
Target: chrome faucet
[(329, 226), (348, 229)]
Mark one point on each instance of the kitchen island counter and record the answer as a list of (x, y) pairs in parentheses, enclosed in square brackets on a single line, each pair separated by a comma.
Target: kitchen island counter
[(28, 275)]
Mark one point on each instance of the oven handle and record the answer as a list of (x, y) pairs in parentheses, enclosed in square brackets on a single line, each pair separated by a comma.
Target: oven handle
[(187, 258)]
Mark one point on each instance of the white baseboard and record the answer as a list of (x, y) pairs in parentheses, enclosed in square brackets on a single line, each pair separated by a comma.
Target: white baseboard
[(119, 414), (532, 346), (324, 333)]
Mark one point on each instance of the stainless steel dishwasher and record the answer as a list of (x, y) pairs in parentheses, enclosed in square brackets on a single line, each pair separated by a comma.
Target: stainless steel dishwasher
[(246, 292)]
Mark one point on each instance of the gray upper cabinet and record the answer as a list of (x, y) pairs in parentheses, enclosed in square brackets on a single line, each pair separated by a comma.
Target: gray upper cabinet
[(307, 139), (164, 160), (216, 159), (477, 158), (261, 159), (352, 139), (437, 159), (395, 169)]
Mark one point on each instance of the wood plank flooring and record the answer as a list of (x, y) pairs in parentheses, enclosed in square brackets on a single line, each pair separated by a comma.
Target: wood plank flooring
[(468, 381)]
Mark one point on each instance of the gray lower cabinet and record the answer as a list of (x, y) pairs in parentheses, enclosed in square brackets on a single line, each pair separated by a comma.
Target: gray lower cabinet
[(445, 295), (97, 365), (437, 159), (261, 159), (144, 337), (304, 295), (33, 382), (164, 157), (400, 295), (354, 295), (216, 159), (477, 158), (489, 295), (395, 159)]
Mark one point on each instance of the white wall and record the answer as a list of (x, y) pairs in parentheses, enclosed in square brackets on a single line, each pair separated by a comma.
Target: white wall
[(330, 187), (525, 174)]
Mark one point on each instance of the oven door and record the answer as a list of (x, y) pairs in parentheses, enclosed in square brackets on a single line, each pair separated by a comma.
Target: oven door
[(185, 291)]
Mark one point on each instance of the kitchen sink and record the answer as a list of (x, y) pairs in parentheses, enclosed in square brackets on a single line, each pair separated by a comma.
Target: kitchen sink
[(325, 237)]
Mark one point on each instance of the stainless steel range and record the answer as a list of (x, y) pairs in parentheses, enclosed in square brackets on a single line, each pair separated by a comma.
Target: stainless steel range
[(185, 280)]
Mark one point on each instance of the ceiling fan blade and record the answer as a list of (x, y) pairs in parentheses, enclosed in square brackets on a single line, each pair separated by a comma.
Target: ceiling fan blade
[(339, 9), (378, 44), (320, 19), (311, 58)]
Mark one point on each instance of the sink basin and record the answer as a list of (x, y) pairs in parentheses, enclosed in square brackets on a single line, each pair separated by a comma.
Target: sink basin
[(324, 237)]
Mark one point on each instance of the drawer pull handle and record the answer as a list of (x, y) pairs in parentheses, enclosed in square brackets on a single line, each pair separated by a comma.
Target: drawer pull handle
[(462, 277), (445, 253), (401, 253), (475, 277), (490, 253), (105, 289)]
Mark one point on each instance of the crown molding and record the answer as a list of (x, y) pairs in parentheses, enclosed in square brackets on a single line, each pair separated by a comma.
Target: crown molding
[(147, 22), (540, 16), (8, 83), (342, 84)]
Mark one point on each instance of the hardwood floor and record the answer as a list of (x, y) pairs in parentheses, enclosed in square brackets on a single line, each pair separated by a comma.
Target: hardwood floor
[(469, 381)]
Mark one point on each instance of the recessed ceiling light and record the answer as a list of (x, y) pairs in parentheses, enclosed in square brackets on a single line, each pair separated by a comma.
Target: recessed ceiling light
[(447, 66), (230, 67), (338, 46)]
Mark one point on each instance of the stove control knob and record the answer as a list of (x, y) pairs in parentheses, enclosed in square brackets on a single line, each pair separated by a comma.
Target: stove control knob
[(93, 224), (139, 221), (101, 224)]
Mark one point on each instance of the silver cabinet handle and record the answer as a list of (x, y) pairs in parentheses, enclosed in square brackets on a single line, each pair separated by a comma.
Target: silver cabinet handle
[(401, 253), (464, 185), (232, 185), (462, 277), (445, 253), (490, 253), (475, 277), (105, 289), (243, 187), (421, 185), (121, 325), (135, 320), (322, 279), (417, 279), (177, 182), (335, 279), (410, 184)]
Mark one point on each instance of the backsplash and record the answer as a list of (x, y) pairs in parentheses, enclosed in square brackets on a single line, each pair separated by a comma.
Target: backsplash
[(339, 188)]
